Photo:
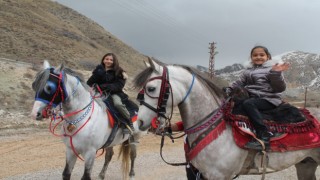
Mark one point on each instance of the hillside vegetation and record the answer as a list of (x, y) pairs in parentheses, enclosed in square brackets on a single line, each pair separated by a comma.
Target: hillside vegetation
[(34, 30)]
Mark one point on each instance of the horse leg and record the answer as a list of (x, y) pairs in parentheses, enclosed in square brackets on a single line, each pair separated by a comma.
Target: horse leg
[(306, 169), (89, 158), (70, 162), (133, 155), (108, 157)]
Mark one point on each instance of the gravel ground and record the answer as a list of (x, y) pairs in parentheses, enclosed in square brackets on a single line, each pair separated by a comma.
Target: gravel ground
[(33, 153), (28, 151)]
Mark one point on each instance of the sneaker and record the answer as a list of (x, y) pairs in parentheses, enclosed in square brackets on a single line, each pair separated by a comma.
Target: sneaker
[(265, 137), (256, 145)]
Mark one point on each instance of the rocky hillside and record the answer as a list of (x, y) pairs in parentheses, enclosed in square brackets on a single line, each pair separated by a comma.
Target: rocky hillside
[(304, 73), (34, 30)]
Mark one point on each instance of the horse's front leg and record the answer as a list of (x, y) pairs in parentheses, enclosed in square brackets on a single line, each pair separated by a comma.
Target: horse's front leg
[(133, 155), (108, 157), (70, 162), (89, 158)]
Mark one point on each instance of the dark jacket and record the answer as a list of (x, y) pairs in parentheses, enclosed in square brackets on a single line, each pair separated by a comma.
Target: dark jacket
[(108, 81), (261, 81)]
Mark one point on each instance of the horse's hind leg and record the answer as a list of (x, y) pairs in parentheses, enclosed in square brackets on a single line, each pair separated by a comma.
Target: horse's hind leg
[(306, 169), (70, 162), (133, 155), (108, 157)]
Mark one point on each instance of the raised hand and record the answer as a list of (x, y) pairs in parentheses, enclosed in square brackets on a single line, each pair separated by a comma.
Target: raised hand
[(280, 67)]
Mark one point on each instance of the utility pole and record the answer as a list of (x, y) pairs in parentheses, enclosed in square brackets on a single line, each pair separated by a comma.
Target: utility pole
[(211, 59), (305, 97)]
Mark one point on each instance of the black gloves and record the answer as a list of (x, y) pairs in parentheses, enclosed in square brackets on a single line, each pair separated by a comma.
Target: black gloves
[(227, 90)]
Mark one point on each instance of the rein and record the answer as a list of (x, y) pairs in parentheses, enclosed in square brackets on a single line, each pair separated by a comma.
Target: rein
[(207, 121), (71, 124), (161, 147), (165, 91)]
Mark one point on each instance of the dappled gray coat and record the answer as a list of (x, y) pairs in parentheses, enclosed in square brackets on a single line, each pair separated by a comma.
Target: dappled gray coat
[(261, 81)]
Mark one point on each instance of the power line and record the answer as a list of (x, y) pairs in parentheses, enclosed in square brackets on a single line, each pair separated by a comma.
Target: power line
[(152, 15)]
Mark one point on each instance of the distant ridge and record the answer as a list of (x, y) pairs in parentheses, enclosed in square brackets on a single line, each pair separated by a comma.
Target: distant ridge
[(304, 73)]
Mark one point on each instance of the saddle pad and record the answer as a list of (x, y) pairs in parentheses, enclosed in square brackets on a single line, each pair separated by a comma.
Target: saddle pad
[(112, 119), (284, 142)]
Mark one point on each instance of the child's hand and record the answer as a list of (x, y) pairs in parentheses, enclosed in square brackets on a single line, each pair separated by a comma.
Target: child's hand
[(280, 67)]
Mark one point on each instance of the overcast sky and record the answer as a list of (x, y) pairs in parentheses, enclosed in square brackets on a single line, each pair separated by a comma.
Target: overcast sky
[(179, 31)]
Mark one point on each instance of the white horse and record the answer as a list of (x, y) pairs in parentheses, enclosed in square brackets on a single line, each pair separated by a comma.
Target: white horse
[(85, 124), (198, 100)]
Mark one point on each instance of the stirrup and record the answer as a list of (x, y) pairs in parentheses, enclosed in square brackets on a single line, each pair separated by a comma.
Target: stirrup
[(127, 130)]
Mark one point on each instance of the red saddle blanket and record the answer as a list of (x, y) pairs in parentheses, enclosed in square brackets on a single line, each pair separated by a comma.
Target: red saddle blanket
[(112, 119), (302, 135)]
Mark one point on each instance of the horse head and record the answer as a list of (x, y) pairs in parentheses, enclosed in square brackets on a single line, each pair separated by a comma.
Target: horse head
[(152, 80), (166, 86), (50, 90)]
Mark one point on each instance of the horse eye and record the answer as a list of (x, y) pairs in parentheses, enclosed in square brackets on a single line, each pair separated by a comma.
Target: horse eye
[(151, 89), (50, 88)]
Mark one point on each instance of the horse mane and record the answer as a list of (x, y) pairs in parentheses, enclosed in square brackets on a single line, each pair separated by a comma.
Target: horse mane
[(140, 80), (209, 83), (43, 75), (84, 84), (40, 79)]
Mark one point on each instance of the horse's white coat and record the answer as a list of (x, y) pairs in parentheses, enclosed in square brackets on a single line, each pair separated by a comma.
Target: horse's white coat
[(222, 158), (94, 134)]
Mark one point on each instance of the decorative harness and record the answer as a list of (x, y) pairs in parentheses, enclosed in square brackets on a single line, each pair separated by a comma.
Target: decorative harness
[(60, 95), (165, 90)]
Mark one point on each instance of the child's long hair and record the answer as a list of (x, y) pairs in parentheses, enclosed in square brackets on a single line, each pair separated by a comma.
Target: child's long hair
[(116, 67)]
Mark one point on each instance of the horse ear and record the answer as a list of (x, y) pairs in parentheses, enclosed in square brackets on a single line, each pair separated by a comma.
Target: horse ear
[(46, 64), (155, 65), (147, 62), (59, 69)]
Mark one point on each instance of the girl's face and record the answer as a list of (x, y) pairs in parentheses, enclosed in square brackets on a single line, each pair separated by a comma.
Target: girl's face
[(259, 56), (108, 62)]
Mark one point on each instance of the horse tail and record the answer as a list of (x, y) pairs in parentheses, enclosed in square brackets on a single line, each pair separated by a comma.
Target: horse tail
[(125, 152)]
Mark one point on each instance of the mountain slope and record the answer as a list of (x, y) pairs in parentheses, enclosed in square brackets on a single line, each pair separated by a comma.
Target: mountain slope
[(33, 30)]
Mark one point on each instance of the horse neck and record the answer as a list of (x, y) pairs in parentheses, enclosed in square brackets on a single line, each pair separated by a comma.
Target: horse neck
[(199, 104), (78, 96)]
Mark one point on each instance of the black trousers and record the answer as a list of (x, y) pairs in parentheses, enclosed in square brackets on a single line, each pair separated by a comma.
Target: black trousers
[(252, 107)]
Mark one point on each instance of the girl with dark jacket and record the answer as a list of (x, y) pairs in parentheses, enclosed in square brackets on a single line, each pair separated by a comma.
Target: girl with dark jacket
[(111, 78), (264, 82)]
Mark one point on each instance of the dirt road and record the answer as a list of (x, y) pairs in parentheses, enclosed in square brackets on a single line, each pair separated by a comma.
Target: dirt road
[(33, 153)]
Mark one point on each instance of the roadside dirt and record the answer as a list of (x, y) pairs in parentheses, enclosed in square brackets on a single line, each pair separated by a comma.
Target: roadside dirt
[(33, 153), (28, 151)]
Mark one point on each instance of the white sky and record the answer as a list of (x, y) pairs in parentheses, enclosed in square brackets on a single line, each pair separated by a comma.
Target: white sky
[(179, 31)]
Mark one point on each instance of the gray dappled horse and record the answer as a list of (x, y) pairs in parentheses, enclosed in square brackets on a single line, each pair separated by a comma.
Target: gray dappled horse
[(85, 127), (167, 86)]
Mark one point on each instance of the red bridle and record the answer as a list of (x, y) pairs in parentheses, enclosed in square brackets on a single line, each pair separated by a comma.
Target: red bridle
[(165, 90)]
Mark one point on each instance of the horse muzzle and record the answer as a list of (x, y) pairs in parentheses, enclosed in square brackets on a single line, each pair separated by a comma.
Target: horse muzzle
[(37, 110), (142, 125)]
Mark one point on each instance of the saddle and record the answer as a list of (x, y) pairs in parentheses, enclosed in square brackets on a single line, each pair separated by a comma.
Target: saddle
[(115, 119), (115, 115), (295, 129)]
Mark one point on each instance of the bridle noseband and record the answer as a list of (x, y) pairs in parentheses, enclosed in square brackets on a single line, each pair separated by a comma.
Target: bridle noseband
[(165, 90)]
